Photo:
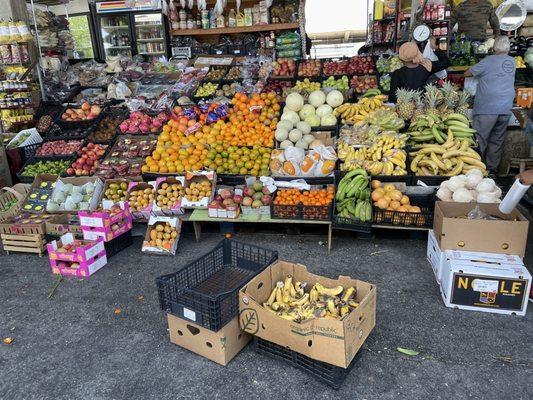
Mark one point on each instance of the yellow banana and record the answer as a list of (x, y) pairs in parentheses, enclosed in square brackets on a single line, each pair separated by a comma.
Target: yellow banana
[(328, 291)]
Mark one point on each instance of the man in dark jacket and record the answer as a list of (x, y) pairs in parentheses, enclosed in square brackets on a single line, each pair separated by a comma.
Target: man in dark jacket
[(472, 17)]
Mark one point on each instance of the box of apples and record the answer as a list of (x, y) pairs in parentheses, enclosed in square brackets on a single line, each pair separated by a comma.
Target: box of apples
[(110, 222), (226, 203), (72, 257), (284, 68), (360, 84)]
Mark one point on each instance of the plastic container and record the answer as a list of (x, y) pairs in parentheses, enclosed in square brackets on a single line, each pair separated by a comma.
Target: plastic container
[(206, 290), (423, 219), (331, 375), (118, 244)]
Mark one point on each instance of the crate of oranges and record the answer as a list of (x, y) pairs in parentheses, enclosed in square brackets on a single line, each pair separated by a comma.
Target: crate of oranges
[(314, 204)]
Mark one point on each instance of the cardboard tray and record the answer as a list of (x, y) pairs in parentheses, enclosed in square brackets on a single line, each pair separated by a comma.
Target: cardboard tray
[(334, 342)]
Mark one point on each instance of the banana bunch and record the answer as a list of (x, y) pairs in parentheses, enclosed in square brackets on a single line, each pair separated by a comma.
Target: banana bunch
[(353, 196), (384, 157), (352, 113), (349, 113), (386, 119), (372, 93), (289, 301), (451, 158), (431, 128)]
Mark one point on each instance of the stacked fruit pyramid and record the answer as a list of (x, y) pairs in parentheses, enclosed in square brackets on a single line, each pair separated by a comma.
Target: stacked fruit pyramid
[(237, 143)]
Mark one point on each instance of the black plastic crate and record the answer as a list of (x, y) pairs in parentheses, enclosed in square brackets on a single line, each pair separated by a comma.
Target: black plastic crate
[(118, 244), (331, 375), (206, 290), (300, 211), (351, 224), (33, 160), (423, 219)]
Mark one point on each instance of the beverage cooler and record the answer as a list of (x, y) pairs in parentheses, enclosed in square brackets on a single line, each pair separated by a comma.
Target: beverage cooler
[(134, 27)]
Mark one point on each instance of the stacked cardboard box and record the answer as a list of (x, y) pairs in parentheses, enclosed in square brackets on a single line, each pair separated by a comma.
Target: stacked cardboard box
[(478, 262)]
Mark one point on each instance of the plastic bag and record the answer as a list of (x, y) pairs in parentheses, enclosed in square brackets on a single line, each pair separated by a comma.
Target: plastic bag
[(430, 55)]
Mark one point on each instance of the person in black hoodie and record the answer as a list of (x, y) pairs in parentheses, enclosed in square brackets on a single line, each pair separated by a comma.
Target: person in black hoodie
[(417, 69)]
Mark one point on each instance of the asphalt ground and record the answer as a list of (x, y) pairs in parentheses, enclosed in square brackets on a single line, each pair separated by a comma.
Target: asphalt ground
[(75, 346)]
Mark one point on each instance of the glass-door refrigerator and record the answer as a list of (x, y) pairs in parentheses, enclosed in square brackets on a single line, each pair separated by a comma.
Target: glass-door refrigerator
[(150, 35), (115, 35), (130, 28)]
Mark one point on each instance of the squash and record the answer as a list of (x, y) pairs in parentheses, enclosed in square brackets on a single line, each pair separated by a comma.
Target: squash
[(289, 168)]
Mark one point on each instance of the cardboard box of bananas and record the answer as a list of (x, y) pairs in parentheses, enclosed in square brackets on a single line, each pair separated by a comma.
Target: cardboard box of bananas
[(325, 319), (450, 157)]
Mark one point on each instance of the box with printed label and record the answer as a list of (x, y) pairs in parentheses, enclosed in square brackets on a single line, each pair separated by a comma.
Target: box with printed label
[(169, 195), (507, 234), (333, 341), (220, 347), (496, 283), (72, 257), (434, 254), (110, 222)]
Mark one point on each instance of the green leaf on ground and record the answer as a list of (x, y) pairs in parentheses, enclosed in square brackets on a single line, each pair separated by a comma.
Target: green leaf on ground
[(407, 352)]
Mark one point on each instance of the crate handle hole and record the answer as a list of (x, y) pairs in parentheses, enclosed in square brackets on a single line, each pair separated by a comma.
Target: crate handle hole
[(180, 333), (260, 285), (360, 317), (194, 330), (262, 326), (309, 343), (208, 345)]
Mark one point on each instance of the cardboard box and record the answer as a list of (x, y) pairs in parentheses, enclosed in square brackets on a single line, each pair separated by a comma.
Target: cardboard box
[(99, 224), (434, 255), (332, 341), (229, 212), (220, 347), (64, 223), (79, 181), (147, 248), (144, 214), (485, 282), (5, 174), (25, 224), (454, 232), (196, 177), (40, 191), (90, 257), (174, 209)]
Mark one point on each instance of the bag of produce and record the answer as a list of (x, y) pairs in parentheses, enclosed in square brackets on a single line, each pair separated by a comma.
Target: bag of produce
[(296, 53), (287, 38)]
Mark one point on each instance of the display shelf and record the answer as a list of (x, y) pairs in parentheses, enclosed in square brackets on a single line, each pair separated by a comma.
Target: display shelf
[(150, 40), (116, 27), (238, 29), (118, 47), (147, 26)]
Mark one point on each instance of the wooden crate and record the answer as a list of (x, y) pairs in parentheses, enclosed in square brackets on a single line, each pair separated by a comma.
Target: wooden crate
[(35, 243)]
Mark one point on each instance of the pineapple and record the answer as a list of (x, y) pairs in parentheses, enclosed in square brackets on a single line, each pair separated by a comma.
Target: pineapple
[(450, 96), (432, 98), (462, 103), (419, 104), (405, 105)]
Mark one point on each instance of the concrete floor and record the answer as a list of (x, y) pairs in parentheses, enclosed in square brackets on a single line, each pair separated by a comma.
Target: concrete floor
[(74, 346)]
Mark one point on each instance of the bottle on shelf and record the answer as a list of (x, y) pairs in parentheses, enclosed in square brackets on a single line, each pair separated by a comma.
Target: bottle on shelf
[(232, 19)]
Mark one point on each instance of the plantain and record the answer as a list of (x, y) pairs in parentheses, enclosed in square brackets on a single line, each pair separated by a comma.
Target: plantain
[(348, 294), (300, 302), (331, 307)]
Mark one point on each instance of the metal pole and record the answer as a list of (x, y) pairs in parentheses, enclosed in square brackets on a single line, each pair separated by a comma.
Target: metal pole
[(39, 74)]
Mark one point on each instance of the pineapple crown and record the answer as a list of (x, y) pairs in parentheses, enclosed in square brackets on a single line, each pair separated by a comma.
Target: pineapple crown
[(433, 96), (464, 98)]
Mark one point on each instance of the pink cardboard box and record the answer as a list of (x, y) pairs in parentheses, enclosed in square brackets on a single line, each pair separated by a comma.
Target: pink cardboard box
[(100, 223), (90, 257)]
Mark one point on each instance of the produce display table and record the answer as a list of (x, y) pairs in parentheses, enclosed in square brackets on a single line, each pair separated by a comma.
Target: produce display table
[(199, 216)]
